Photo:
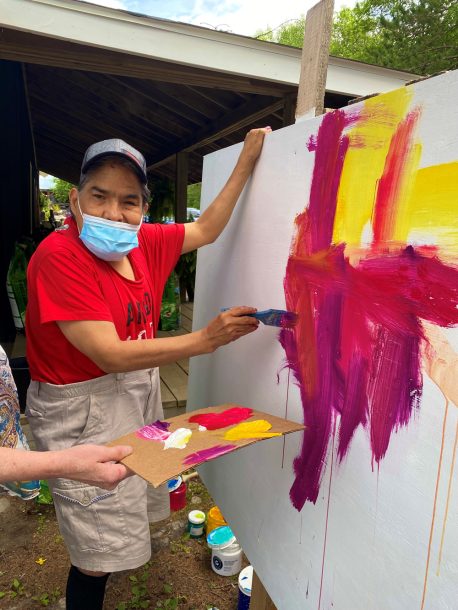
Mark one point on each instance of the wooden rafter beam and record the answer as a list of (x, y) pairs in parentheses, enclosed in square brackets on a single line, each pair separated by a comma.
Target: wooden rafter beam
[(246, 115), (34, 49)]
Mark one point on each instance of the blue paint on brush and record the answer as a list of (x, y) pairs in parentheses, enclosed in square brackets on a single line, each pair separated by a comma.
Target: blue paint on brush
[(274, 317)]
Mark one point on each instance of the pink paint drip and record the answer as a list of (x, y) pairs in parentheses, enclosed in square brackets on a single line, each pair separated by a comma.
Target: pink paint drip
[(356, 347), (207, 454)]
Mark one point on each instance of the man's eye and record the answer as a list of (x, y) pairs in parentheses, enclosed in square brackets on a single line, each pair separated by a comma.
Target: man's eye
[(131, 203), (98, 196)]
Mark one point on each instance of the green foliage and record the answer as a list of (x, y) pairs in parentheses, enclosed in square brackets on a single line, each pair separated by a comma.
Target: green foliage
[(17, 588), (42, 523), (420, 36), (139, 590), (61, 190), (171, 603), (193, 195), (290, 33), (45, 599), (162, 204)]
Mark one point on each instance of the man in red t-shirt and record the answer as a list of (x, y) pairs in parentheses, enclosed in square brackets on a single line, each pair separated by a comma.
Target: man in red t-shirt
[(94, 289)]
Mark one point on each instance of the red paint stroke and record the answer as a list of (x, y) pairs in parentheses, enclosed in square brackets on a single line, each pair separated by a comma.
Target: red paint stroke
[(207, 454), (215, 421), (387, 198), (355, 350)]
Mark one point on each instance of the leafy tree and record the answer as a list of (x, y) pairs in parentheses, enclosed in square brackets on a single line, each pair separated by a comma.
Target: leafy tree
[(290, 33), (194, 191), (61, 190), (419, 36)]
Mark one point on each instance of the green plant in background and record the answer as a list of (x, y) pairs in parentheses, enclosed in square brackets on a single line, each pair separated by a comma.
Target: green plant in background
[(42, 523), (16, 589), (162, 206), (170, 305), (171, 603), (61, 190), (45, 206), (45, 599), (140, 594), (193, 196), (420, 36)]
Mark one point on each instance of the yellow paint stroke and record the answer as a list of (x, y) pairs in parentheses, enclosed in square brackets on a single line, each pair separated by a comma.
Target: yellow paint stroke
[(449, 491), (426, 199), (252, 429), (433, 519), (429, 213), (361, 171)]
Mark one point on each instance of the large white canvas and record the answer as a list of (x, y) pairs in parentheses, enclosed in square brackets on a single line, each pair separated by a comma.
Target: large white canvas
[(365, 544)]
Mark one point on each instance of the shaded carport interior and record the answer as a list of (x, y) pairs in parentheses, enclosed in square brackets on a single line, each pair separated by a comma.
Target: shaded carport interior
[(61, 95), (79, 94)]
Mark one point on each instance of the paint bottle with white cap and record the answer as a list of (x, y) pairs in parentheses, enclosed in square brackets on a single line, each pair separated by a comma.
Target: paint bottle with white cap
[(226, 557), (196, 523)]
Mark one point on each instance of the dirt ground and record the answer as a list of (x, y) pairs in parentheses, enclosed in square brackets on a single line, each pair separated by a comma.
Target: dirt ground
[(34, 563)]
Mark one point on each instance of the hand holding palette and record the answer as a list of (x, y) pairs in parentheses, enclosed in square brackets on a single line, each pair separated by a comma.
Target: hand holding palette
[(164, 449)]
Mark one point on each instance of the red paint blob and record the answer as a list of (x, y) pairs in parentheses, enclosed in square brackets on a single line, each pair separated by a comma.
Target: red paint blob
[(215, 421)]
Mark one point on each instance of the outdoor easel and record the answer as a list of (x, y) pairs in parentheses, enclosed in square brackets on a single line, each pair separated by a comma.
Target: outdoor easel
[(310, 102)]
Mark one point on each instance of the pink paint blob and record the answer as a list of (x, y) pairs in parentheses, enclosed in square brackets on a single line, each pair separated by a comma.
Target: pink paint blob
[(157, 431), (215, 421), (355, 351), (207, 454)]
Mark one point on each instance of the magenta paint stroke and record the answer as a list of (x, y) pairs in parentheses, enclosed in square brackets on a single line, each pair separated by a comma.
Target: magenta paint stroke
[(204, 455), (157, 431), (355, 351)]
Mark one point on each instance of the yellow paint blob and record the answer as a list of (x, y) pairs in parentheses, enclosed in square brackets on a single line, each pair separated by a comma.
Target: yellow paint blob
[(251, 429)]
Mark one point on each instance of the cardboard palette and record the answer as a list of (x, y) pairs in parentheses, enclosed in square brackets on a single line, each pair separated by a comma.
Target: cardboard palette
[(157, 465)]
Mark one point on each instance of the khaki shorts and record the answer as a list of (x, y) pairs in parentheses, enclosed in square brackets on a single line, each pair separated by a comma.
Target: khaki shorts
[(104, 531)]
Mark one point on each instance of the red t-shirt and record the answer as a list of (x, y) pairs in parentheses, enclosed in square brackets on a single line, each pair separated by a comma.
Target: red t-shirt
[(67, 282)]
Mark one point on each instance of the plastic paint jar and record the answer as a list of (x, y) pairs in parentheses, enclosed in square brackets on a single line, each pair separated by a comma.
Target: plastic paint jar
[(214, 519), (226, 551), (177, 493), (245, 584), (196, 523)]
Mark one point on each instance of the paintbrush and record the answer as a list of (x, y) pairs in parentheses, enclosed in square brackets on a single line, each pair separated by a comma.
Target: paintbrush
[(274, 317)]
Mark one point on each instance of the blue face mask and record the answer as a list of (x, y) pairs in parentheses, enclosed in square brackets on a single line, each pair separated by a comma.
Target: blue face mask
[(108, 239)]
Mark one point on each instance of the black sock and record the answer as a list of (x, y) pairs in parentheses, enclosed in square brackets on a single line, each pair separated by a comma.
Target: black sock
[(85, 592)]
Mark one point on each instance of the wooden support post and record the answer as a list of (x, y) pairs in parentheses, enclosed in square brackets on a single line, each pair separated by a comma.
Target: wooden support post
[(289, 109), (181, 187), (310, 102), (181, 200), (315, 58)]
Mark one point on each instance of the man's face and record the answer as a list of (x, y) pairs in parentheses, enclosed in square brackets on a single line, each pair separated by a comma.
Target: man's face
[(113, 192)]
